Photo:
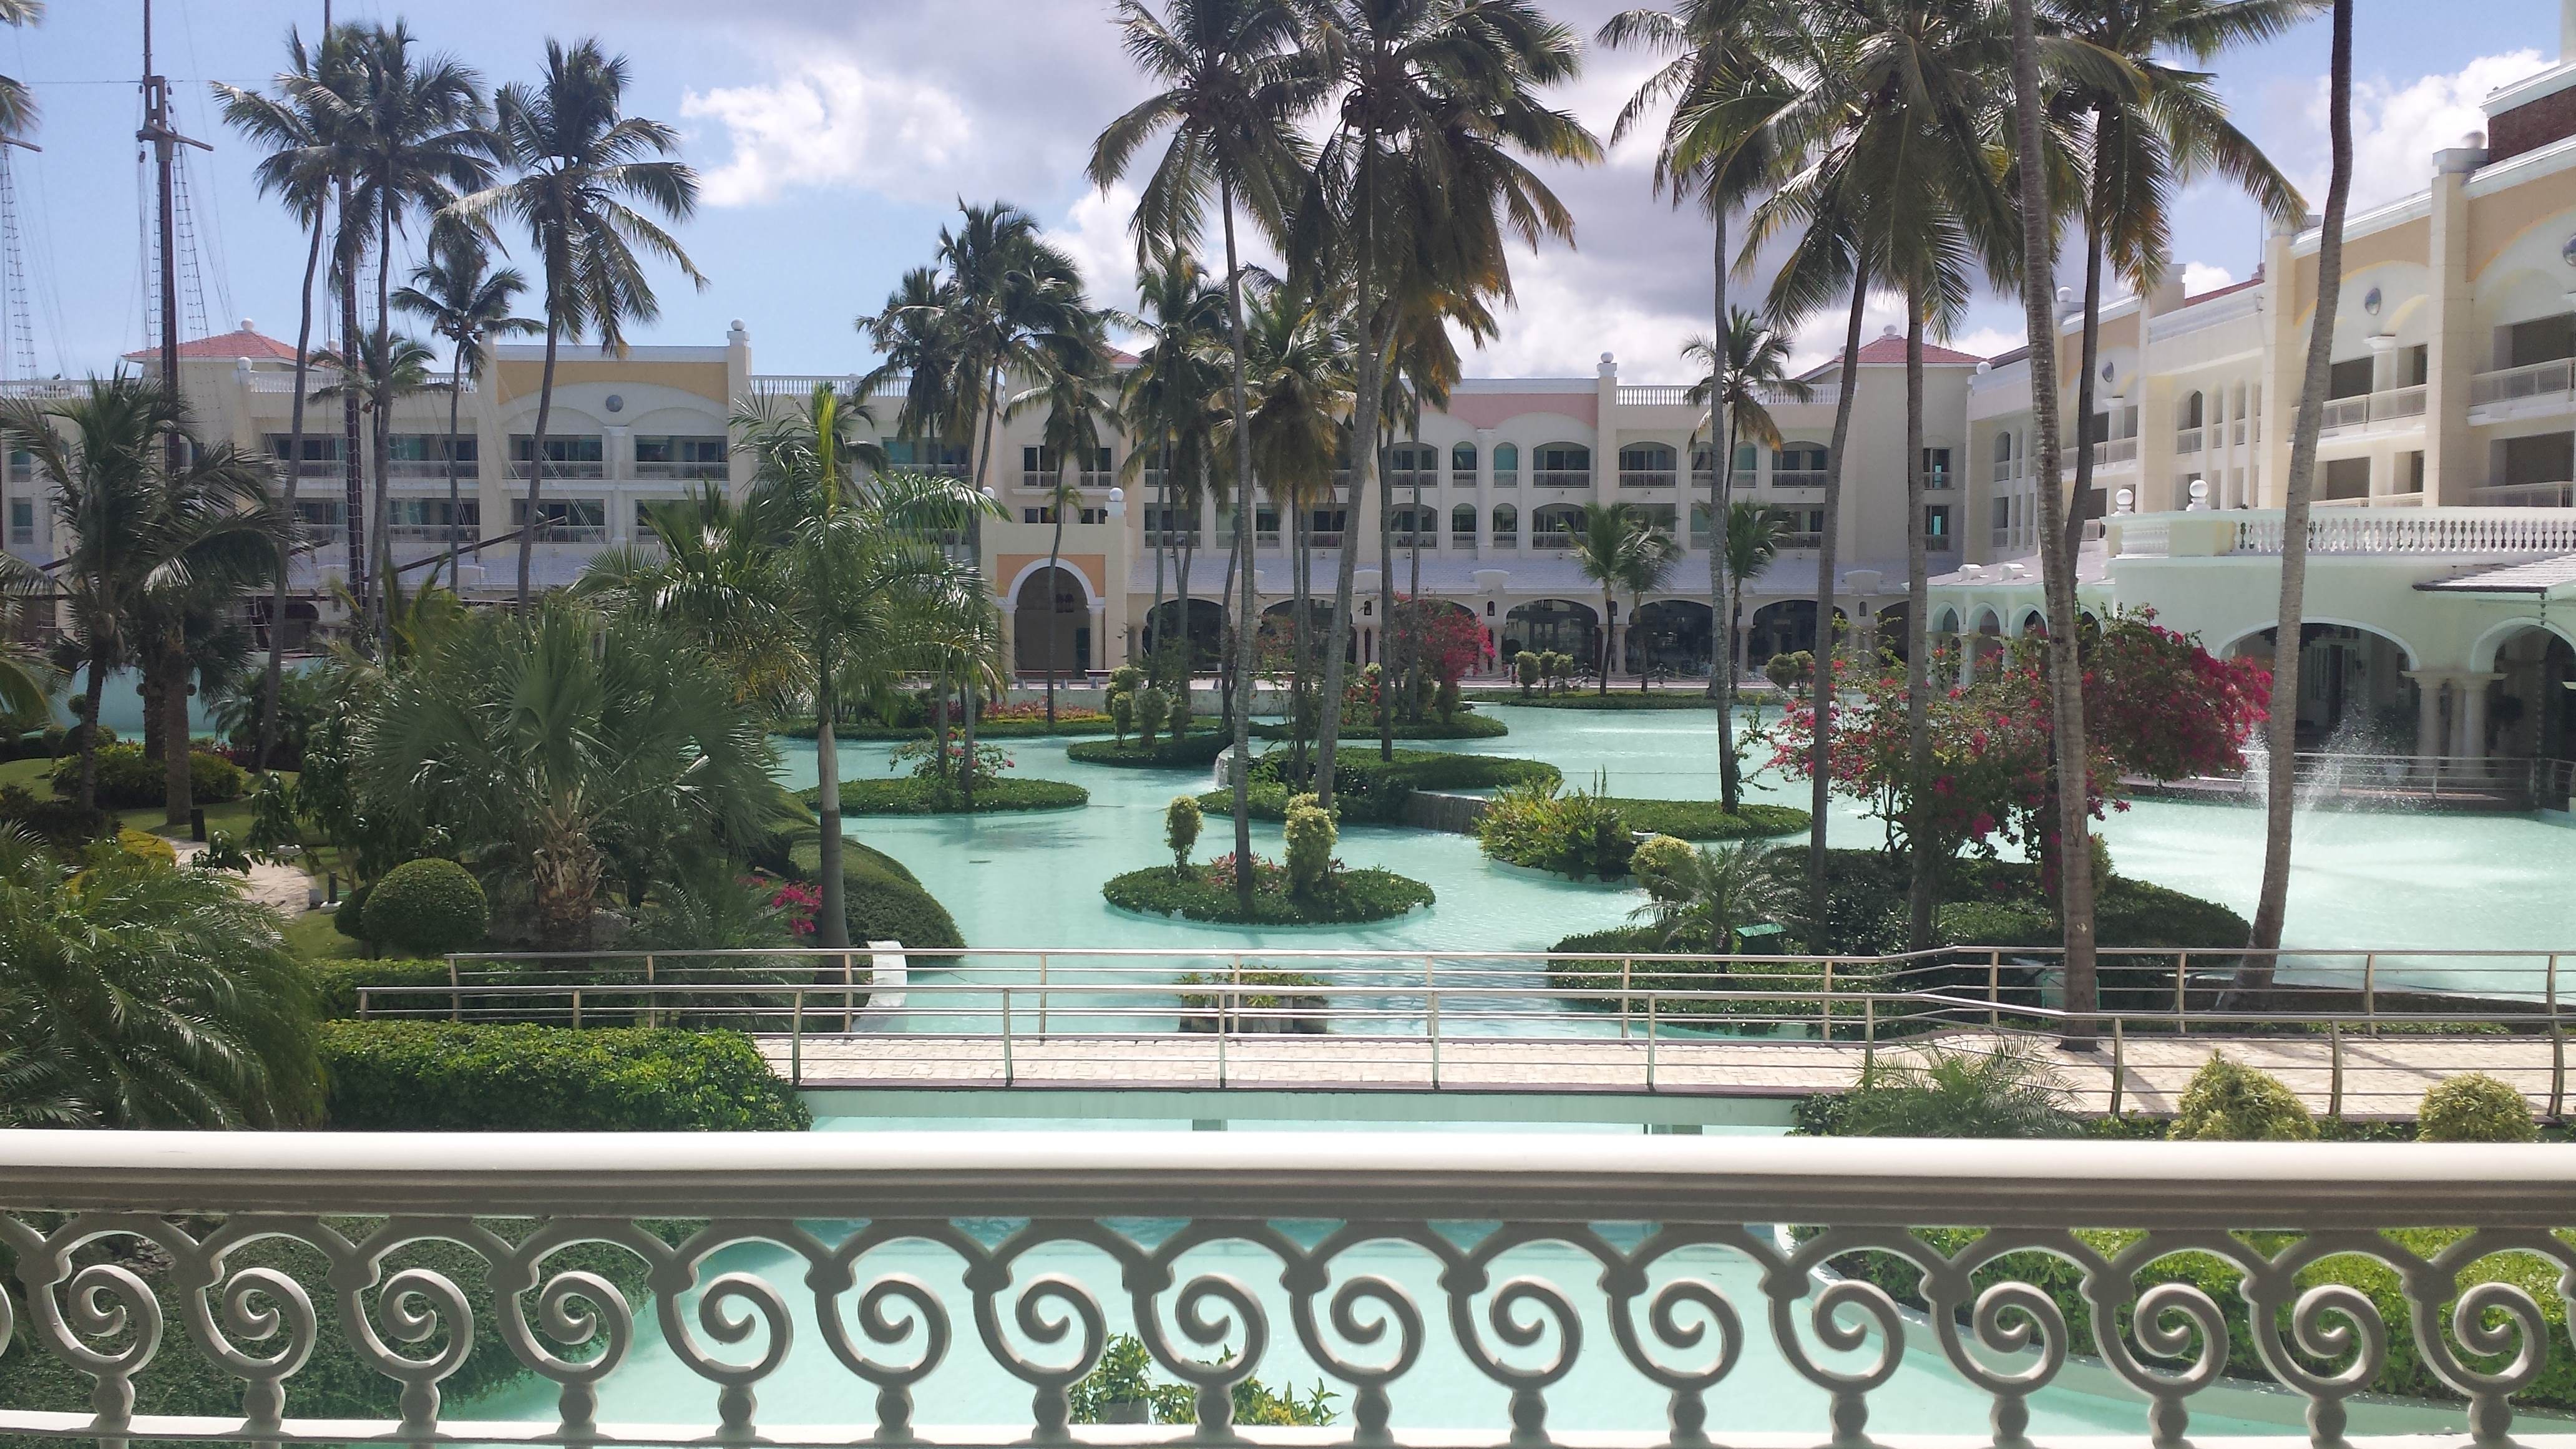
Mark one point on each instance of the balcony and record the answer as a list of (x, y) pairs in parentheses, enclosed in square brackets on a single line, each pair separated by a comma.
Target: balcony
[(701, 471), (1799, 477), (1427, 538), (425, 470), (2115, 453), (1561, 478), (1463, 542), (2395, 530), (2536, 390), (568, 469), (2187, 441), (920, 1288), (2526, 495), (1647, 478), (1654, 395), (2372, 412)]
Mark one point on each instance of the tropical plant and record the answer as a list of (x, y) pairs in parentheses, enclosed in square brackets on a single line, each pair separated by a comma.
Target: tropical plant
[(1070, 389), (1168, 401), (2227, 1101), (308, 127), (2007, 1091), (427, 907), (136, 995), (1703, 899), (2298, 497), (713, 571), (147, 530), (2475, 1107), (1747, 370), (1181, 820), (1415, 193), (1233, 92), (17, 103), (545, 748), (586, 176), (1617, 547), (458, 297), (386, 369)]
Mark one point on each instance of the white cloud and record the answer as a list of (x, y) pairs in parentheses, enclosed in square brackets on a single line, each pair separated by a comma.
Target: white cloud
[(2397, 128), (832, 123), (2199, 277), (1095, 234)]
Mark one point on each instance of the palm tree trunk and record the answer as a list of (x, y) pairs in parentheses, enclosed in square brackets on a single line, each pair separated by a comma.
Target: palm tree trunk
[(174, 724), (2298, 497), (1163, 511), (967, 702), (2057, 565), (353, 478), (1821, 699), (1722, 601), (537, 451), (832, 917), (1248, 606), (455, 492), (1607, 630), (381, 456), (2097, 200), (1364, 470), (1055, 551), (93, 694), (1922, 895), (270, 686)]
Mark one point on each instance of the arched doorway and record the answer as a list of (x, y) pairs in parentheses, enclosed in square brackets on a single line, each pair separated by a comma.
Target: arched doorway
[(1895, 636), (1785, 627), (1051, 623), (1671, 636), (1278, 622), (2531, 707), (2354, 696), (1206, 631), (1560, 625)]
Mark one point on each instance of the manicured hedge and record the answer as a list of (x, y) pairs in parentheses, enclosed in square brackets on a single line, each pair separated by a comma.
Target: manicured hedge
[(1791, 978), (1068, 722), (908, 796), (1467, 725), (128, 779), (400, 1076), (427, 907), (1201, 895), (1704, 820), (1366, 788), (336, 984), (1616, 699), (884, 901), (1197, 750)]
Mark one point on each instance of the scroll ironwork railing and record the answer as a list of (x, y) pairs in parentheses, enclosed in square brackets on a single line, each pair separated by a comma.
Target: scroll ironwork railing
[(839, 1288)]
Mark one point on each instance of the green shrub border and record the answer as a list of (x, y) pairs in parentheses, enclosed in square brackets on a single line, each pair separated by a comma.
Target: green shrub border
[(1357, 896), (1070, 724), (1705, 820), (908, 796), (1197, 750), (1586, 699), (1466, 726), (411, 1076)]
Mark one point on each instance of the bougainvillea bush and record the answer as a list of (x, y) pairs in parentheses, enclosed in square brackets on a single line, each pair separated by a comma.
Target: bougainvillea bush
[(2157, 707)]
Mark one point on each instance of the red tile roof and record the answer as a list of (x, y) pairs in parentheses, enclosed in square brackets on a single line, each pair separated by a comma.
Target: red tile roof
[(2222, 291), (1885, 350), (240, 342)]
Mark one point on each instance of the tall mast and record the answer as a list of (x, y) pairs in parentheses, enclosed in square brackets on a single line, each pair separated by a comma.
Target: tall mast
[(165, 140)]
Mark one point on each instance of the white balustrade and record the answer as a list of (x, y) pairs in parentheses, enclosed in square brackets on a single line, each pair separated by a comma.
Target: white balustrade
[(1230, 1255), (2416, 530), (2527, 495), (1654, 395), (2519, 384), (2115, 453)]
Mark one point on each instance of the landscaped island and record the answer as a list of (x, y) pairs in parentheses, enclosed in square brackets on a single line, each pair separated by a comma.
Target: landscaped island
[(1310, 889)]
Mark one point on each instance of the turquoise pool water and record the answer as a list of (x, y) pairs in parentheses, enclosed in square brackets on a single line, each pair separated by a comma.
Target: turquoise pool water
[(2421, 881)]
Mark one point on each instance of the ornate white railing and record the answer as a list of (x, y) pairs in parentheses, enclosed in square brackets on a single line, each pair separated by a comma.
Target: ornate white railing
[(2518, 384), (1654, 395), (1290, 1256), (2526, 495), (2416, 530)]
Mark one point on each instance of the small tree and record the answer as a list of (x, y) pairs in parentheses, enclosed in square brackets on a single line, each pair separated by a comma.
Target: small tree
[(1311, 835), (2475, 1107), (2227, 1102), (1152, 708), (1530, 668), (1122, 714), (1181, 821), (427, 908)]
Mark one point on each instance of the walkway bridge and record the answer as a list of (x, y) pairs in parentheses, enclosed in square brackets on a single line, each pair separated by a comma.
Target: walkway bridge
[(2355, 1033)]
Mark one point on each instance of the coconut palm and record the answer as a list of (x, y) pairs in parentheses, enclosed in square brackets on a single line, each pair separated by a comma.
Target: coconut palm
[(1072, 394), (387, 368), (587, 175), (542, 744), (2158, 129), (1417, 190), (17, 103), (1616, 546), (1165, 402), (2009, 1090), (134, 994), (2297, 498), (138, 529), (872, 593), (1701, 900), (713, 572), (1233, 92), (2037, 276), (1752, 543), (1744, 374), (308, 127), (458, 297)]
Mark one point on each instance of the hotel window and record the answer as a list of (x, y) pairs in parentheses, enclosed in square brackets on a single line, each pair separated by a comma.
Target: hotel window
[(1936, 468), (926, 455), (691, 456), (577, 456), (1462, 463), (2348, 478), (1507, 465), (321, 512), (1080, 515), (436, 448), (564, 520), (2410, 472), (1936, 528), (1038, 466), (321, 453), (22, 520)]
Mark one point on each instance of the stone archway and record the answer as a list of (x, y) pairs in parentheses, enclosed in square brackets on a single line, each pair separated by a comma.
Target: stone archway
[(2531, 703), (1786, 626), (1206, 626), (1671, 636), (2355, 696), (1561, 625), (1051, 622)]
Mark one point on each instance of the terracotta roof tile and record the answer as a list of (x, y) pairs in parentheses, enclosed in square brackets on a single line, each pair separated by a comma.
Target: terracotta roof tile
[(240, 342)]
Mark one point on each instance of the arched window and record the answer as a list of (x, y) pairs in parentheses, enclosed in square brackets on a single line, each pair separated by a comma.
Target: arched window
[(2193, 411), (1699, 525), (1647, 465), (1563, 465), (1798, 465), (1462, 523), (1507, 465), (1555, 523), (1462, 464), (1507, 519), (1410, 465)]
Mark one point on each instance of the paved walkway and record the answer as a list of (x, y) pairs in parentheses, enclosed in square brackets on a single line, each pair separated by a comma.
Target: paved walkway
[(2382, 1076)]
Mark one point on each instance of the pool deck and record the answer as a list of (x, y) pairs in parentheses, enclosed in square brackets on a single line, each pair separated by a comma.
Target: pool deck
[(2381, 1077)]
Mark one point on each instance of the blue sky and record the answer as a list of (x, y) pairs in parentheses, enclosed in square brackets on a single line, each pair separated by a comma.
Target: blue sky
[(836, 134)]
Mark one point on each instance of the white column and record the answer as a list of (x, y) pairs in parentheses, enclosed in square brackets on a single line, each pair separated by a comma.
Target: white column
[(2473, 714), (1484, 485), (2428, 711), (1100, 659)]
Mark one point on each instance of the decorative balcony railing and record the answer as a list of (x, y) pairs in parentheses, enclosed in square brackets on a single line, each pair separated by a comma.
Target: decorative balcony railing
[(1561, 477), (425, 470), (1654, 395), (2187, 441), (1647, 478), (562, 469), (2555, 379), (2115, 453), (1470, 1288), (2418, 530), (1798, 477), (697, 471), (2365, 411), (2526, 495)]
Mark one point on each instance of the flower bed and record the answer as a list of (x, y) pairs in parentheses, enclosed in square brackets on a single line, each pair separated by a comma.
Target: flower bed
[(1206, 893)]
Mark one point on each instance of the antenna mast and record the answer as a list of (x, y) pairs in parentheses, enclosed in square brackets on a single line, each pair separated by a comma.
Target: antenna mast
[(165, 140)]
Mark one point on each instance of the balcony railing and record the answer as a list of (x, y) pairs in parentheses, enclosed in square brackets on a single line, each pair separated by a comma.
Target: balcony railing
[(2369, 410), (2187, 441), (1798, 477), (1561, 477), (563, 469), (468, 470), (2526, 495), (2523, 384), (700, 471), (1654, 395), (2415, 529), (1799, 540), (2115, 453), (1647, 478), (1008, 1260)]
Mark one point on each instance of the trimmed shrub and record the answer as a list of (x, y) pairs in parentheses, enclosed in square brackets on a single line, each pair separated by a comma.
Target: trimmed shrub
[(1366, 788), (1797, 985), (1659, 859), (1206, 893), (1152, 708), (1576, 833), (2227, 1102), (444, 1077), (1122, 715), (427, 908), (885, 902), (58, 820), (2474, 1107), (129, 779), (1706, 819), (1310, 835), (1181, 823), (147, 846), (915, 795), (1195, 752), (350, 918), (336, 983), (1790, 671)]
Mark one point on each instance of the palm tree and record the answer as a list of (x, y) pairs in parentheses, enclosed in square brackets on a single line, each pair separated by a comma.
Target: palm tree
[(2037, 275), (17, 103), (871, 591), (1165, 402), (1233, 93), (2154, 129), (1435, 100), (541, 743), (462, 301), (2298, 497), (1071, 393), (1752, 543), (1616, 547), (386, 369), (714, 573), (141, 529), (138, 995), (307, 127), (1703, 899), (1745, 373), (584, 168)]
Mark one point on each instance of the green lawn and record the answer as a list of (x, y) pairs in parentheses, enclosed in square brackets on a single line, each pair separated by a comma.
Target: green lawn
[(232, 815)]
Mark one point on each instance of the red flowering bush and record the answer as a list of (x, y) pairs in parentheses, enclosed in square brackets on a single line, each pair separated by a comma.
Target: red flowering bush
[(2156, 707), (798, 902)]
